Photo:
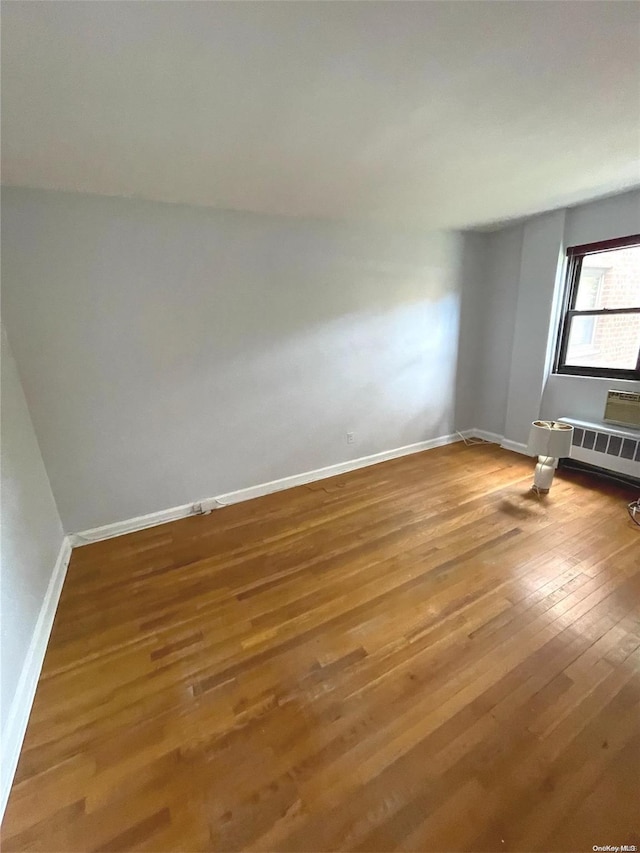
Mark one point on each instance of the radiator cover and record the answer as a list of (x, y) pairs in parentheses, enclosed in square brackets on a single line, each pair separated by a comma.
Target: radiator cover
[(606, 446)]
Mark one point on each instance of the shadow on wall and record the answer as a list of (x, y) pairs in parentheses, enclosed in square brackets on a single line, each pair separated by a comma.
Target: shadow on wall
[(171, 353), (472, 328)]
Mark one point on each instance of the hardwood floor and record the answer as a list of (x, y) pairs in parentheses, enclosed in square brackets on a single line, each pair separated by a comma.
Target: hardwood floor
[(420, 655)]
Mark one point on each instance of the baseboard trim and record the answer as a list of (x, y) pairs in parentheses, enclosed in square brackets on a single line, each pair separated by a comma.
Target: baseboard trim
[(492, 437), (334, 470), (108, 531), (20, 709), (153, 519), (516, 446), (131, 525)]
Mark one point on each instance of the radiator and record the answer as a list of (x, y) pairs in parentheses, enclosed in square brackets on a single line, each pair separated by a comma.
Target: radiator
[(606, 446)]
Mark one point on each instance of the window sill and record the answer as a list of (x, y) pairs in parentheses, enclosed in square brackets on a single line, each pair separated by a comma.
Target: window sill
[(585, 376)]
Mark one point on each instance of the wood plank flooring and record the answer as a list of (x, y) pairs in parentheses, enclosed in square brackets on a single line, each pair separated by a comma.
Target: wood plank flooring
[(420, 655)]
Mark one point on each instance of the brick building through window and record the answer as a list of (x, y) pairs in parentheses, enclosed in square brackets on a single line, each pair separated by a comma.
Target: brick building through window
[(608, 340)]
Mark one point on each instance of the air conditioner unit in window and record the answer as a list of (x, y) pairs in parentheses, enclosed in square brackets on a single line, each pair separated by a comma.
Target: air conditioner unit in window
[(623, 407)]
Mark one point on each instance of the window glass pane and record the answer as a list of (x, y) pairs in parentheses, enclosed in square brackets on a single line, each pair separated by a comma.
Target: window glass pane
[(604, 341), (610, 280)]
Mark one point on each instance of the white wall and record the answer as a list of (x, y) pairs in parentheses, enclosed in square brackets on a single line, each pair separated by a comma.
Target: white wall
[(472, 273), (500, 295), (523, 287), (531, 354), (31, 537), (171, 353)]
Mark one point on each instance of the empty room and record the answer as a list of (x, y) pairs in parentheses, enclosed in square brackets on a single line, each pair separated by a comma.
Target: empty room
[(320, 493)]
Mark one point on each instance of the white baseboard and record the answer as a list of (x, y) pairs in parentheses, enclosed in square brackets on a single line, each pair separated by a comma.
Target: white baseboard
[(493, 437), (334, 470), (130, 525), (516, 446), (108, 531), (15, 725), (141, 522)]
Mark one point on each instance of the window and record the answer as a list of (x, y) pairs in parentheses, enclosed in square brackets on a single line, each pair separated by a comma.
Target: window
[(600, 329)]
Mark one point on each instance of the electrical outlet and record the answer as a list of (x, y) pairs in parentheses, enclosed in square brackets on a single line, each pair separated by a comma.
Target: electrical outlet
[(351, 438)]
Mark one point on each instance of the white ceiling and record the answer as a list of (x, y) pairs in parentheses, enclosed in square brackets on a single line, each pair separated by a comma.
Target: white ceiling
[(421, 114)]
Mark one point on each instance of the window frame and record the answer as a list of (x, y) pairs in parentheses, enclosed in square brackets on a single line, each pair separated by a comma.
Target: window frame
[(575, 255)]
